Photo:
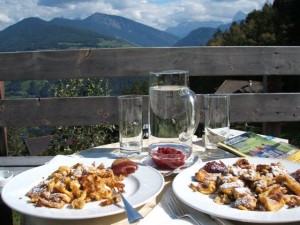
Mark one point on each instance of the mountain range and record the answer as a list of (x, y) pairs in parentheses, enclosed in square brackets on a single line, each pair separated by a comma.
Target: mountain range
[(102, 30), (184, 28), (197, 37), (201, 35), (34, 33), (121, 28)]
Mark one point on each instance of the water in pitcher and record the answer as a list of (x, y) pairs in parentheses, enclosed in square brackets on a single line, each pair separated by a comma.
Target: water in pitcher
[(169, 118)]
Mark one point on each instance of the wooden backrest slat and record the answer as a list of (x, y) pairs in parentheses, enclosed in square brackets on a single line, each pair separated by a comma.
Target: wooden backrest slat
[(200, 61), (103, 110)]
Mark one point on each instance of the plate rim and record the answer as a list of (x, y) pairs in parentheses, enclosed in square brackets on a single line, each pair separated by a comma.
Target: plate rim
[(159, 186), (246, 216)]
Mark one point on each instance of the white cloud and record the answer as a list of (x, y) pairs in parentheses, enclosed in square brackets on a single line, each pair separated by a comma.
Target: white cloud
[(157, 13), (61, 3), (5, 19)]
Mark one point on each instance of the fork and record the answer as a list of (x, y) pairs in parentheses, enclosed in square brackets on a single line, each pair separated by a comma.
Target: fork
[(178, 209), (132, 214)]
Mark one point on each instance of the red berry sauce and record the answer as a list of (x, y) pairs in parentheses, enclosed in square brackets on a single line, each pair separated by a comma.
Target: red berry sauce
[(168, 158)]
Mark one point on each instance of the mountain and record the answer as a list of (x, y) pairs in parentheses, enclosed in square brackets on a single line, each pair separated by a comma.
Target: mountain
[(239, 16), (34, 33), (201, 35), (184, 28), (122, 29), (198, 37), (97, 30)]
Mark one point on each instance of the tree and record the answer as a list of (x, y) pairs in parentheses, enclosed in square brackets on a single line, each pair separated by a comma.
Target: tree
[(45, 90), (32, 89), (13, 87), (70, 139), (236, 36), (288, 21), (15, 137), (217, 38)]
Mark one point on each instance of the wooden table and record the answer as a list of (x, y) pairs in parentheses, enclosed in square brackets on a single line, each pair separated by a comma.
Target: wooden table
[(20, 164)]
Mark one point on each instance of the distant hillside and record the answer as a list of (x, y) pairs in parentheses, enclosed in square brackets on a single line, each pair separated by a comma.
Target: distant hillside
[(34, 33), (201, 35), (122, 29), (198, 37), (184, 28), (97, 30)]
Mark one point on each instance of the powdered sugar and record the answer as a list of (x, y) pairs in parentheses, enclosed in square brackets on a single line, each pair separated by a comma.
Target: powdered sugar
[(235, 184)]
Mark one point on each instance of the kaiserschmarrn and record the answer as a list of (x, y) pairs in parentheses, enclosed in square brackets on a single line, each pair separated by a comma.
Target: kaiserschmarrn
[(264, 187), (76, 185)]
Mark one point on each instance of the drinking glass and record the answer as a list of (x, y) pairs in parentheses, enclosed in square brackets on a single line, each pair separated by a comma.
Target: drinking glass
[(216, 124), (130, 124), (173, 114)]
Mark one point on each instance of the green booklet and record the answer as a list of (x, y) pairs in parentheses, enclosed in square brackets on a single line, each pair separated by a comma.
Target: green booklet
[(250, 144)]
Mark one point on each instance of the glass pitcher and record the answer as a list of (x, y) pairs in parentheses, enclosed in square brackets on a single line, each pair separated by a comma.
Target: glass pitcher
[(173, 113)]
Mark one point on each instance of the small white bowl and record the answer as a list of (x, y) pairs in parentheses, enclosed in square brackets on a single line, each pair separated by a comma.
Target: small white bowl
[(5, 176)]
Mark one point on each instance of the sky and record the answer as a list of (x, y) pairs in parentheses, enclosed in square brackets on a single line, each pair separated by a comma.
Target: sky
[(159, 14)]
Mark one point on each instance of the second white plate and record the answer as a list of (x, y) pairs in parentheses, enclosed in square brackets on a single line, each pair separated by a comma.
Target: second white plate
[(206, 204)]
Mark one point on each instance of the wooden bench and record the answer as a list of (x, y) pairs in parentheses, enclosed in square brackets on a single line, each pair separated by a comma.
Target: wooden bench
[(37, 145)]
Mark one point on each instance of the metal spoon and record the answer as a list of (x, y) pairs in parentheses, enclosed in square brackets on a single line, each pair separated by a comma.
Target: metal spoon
[(132, 214), (176, 170)]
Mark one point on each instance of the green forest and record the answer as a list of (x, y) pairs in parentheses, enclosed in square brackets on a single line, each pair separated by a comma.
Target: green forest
[(275, 24)]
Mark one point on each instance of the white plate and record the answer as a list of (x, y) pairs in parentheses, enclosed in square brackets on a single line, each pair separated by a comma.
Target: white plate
[(145, 184), (206, 204)]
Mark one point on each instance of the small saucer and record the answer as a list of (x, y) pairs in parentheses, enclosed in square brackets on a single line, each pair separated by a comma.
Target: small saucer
[(5, 176), (147, 161)]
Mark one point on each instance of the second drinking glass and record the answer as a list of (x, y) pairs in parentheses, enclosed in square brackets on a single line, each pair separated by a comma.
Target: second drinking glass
[(130, 124), (216, 124)]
